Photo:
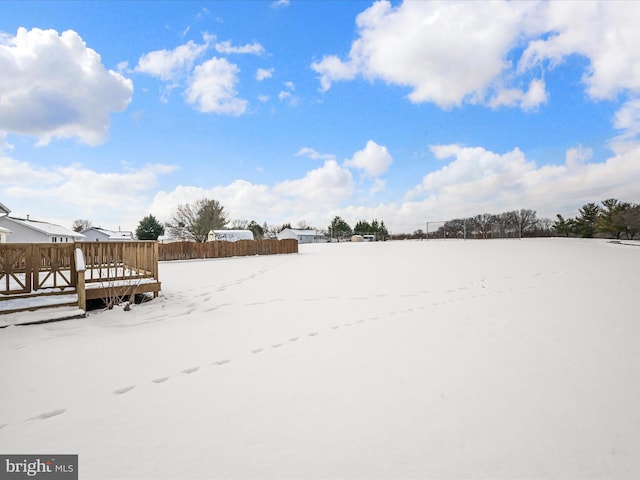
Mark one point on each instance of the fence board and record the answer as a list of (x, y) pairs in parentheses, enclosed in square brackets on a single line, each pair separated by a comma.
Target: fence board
[(223, 249)]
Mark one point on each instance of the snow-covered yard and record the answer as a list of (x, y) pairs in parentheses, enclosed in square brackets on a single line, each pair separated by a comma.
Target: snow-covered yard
[(476, 359)]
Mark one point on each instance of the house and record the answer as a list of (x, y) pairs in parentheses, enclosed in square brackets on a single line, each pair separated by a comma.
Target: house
[(4, 231), (25, 230), (97, 234), (303, 236), (230, 235), (3, 234)]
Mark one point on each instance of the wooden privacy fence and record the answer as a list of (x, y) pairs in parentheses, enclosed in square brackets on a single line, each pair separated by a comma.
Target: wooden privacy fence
[(220, 249)]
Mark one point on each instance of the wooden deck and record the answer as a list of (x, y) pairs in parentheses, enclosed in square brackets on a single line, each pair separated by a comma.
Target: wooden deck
[(75, 272)]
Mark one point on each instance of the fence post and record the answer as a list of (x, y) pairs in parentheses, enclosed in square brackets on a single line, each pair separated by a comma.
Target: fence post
[(80, 268)]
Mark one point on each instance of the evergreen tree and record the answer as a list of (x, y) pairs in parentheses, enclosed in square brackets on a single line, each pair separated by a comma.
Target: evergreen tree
[(256, 229), (586, 222), (606, 223), (562, 226), (149, 228), (363, 228), (628, 221), (383, 233), (339, 229)]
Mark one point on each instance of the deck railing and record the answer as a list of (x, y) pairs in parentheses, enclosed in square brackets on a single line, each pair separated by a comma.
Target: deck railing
[(93, 269), (113, 261), (29, 267)]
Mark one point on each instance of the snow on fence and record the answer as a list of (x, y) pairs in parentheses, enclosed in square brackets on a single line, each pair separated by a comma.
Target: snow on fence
[(220, 249)]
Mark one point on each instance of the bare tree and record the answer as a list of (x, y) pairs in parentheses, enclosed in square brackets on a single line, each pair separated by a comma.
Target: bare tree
[(195, 221), (524, 219), (239, 224), (482, 224), (80, 225)]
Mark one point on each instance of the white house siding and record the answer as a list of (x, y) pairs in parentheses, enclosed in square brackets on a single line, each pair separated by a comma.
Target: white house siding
[(94, 234), (303, 236), (29, 231), (3, 234)]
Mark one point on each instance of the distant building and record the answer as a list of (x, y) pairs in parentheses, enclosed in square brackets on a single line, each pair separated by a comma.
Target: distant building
[(25, 230), (4, 231), (303, 236), (3, 234), (230, 235), (97, 234)]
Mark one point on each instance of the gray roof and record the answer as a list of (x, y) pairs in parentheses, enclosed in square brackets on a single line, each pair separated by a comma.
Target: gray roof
[(50, 229), (4, 210), (111, 233)]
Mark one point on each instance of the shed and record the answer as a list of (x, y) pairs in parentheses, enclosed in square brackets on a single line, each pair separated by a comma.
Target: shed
[(303, 236), (230, 235), (98, 234), (25, 230)]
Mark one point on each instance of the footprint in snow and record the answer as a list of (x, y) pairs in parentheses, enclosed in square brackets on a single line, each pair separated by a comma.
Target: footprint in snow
[(190, 370), (160, 380), (293, 339), (312, 334), (124, 390), (53, 413), (221, 362), (276, 345), (257, 350)]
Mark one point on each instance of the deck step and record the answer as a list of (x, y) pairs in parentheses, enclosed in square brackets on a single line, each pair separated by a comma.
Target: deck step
[(29, 302), (42, 315)]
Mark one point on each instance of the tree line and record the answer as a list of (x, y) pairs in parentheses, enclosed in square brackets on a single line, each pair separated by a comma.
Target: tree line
[(610, 218)]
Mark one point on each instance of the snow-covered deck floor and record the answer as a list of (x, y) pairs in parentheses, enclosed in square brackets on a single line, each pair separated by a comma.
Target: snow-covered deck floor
[(477, 359)]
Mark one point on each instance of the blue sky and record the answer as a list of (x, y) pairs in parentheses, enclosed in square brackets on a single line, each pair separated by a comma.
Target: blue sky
[(303, 110)]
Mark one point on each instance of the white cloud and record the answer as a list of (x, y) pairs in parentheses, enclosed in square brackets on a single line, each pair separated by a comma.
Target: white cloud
[(75, 191), (212, 88), (280, 3), (627, 120), (445, 52), (449, 53), (288, 94), (477, 180), (170, 65), (310, 197), (264, 73), (313, 154), (373, 159), (227, 48), (332, 69), (604, 32), (330, 185), (54, 86)]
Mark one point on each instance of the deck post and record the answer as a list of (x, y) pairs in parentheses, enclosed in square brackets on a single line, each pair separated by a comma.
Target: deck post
[(82, 292)]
